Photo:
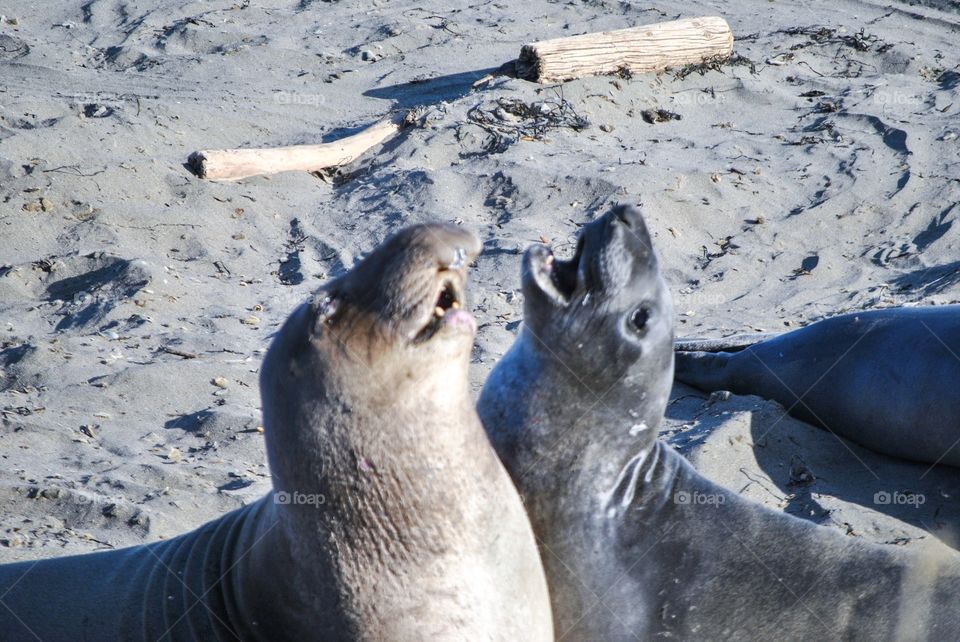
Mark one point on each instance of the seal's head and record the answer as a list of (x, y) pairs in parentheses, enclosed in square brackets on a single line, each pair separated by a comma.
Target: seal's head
[(387, 339), (605, 315), (401, 306)]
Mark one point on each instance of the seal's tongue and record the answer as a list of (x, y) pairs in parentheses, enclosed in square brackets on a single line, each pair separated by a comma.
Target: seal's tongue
[(460, 319)]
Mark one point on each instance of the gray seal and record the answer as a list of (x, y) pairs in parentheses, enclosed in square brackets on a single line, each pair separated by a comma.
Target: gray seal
[(391, 517), (637, 544), (882, 378)]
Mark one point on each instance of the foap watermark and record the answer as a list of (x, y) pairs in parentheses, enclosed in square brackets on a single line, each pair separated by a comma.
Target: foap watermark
[(297, 98), (899, 498), (691, 300), (696, 498), (297, 498), (691, 303), (894, 97), (105, 98), (699, 98), (903, 299)]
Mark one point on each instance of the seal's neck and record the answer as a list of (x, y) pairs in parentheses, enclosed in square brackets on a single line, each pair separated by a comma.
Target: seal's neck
[(540, 415), (387, 474)]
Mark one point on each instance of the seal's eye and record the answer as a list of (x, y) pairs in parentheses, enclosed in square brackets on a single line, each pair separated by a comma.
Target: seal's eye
[(639, 319), (327, 307), (323, 311)]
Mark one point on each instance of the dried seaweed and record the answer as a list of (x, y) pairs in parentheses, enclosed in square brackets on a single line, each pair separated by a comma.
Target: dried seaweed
[(714, 63), (512, 119), (860, 41)]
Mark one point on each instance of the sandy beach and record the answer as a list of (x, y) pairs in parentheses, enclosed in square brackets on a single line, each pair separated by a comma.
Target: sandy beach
[(816, 172)]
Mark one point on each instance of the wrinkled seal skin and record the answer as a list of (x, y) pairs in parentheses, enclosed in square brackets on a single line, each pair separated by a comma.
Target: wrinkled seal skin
[(421, 535), (635, 543), (886, 379)]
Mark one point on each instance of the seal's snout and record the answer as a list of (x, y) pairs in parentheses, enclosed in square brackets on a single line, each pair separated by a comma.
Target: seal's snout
[(453, 249), (635, 237), (627, 215), (611, 251)]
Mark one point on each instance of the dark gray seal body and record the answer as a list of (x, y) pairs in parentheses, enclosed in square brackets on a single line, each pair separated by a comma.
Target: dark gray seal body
[(886, 379), (636, 544), (392, 518)]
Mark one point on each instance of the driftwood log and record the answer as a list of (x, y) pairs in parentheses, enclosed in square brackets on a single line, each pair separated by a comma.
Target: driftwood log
[(234, 164), (636, 50)]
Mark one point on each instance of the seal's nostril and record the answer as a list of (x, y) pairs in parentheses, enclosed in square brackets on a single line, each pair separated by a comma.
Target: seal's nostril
[(459, 259), (622, 215)]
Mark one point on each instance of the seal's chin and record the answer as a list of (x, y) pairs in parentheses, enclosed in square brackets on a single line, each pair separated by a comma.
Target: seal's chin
[(446, 314), (554, 278)]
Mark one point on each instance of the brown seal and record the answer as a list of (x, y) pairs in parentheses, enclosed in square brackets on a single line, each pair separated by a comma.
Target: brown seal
[(392, 518)]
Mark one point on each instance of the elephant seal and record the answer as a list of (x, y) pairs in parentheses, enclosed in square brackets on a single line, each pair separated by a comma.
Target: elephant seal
[(392, 518), (636, 544), (882, 378)]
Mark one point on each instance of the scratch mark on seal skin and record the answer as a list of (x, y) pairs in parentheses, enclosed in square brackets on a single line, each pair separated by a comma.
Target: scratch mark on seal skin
[(631, 470), (652, 467)]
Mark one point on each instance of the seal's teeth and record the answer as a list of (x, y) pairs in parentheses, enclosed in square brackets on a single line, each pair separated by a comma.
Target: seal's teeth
[(455, 305), (438, 311)]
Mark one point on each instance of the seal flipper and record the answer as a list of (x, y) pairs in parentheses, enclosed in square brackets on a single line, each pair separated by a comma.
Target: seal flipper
[(707, 371), (734, 343)]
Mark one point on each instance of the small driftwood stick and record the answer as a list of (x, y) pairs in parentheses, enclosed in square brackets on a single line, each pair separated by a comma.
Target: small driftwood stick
[(638, 49), (234, 164)]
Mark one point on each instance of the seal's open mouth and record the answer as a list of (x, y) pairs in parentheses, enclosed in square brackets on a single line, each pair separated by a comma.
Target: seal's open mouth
[(557, 279), (446, 310)]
